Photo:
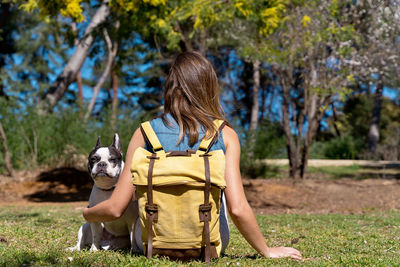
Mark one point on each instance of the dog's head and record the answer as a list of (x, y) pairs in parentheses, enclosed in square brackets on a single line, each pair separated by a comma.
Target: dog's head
[(105, 164)]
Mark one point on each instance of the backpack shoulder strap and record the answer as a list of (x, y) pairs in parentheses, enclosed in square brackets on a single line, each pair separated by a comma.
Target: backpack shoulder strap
[(206, 144), (150, 136)]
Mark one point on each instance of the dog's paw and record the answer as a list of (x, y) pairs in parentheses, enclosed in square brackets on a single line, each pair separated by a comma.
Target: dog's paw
[(76, 248), (94, 248)]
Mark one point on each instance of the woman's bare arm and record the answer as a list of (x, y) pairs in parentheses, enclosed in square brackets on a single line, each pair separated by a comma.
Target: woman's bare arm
[(115, 206), (238, 206)]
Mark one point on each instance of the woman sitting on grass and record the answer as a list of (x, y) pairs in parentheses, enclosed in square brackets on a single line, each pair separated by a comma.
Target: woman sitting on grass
[(191, 103)]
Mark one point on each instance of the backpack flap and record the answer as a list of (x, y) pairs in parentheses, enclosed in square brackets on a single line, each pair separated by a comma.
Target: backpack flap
[(178, 170)]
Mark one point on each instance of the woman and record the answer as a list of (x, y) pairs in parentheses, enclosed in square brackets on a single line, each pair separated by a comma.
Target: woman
[(191, 103)]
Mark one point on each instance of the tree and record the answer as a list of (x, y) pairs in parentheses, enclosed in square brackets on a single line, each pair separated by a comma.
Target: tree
[(68, 75), (376, 53), (35, 49), (6, 151), (308, 61), (112, 53), (79, 80), (354, 118)]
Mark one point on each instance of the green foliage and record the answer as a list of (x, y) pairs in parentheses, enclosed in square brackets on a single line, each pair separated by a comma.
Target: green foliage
[(354, 123), (345, 147), (52, 139), (270, 143), (342, 148), (38, 235), (37, 50), (357, 115)]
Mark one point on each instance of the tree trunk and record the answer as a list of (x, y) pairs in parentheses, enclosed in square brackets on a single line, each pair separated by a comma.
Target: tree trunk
[(79, 82), (202, 43), (6, 153), (112, 53), (310, 107), (313, 122), (314, 119), (312, 129), (264, 95), (373, 134), (114, 82), (254, 107), (335, 119), (255, 103), (292, 155), (186, 44), (68, 75)]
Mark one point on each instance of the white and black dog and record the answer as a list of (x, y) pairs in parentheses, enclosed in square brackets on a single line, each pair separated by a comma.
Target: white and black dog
[(105, 165)]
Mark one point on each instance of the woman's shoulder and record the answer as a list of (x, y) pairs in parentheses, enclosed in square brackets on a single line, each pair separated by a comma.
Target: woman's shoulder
[(230, 136)]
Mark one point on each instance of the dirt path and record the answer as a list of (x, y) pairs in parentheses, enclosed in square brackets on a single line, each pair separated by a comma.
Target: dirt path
[(322, 196), (265, 196)]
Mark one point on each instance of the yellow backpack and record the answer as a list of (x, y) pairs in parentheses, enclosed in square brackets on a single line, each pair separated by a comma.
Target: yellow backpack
[(179, 195)]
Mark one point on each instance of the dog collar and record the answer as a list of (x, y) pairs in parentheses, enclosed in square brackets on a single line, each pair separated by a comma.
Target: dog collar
[(111, 189)]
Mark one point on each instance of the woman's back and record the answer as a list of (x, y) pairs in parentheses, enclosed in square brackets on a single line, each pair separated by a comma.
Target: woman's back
[(169, 134)]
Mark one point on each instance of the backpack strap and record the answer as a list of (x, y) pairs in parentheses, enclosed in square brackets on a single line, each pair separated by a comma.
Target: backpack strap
[(151, 208), (206, 144), (205, 209), (150, 136)]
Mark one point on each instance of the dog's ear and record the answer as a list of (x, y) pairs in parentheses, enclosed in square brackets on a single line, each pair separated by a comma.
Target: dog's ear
[(98, 144), (117, 143)]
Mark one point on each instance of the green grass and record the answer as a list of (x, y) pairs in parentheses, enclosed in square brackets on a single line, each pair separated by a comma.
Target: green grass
[(335, 172), (38, 235), (325, 172)]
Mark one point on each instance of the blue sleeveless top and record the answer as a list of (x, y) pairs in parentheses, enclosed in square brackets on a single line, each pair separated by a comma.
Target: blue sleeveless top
[(168, 136)]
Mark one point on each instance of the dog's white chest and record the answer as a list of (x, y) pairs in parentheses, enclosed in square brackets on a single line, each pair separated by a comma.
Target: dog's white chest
[(98, 195)]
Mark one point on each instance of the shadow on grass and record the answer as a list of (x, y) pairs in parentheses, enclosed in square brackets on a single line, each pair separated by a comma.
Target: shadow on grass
[(356, 172), (62, 185), (19, 216), (380, 171), (373, 175), (236, 257)]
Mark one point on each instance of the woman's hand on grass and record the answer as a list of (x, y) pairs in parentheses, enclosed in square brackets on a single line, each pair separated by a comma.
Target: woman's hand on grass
[(283, 252)]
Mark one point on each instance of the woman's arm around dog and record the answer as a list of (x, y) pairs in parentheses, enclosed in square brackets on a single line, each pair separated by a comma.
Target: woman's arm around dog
[(115, 206), (239, 209)]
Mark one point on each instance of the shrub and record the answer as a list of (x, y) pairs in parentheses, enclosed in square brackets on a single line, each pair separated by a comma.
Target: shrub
[(59, 137), (269, 143), (341, 148)]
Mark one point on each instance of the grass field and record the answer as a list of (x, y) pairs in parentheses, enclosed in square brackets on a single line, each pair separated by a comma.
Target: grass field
[(37, 235), (354, 171)]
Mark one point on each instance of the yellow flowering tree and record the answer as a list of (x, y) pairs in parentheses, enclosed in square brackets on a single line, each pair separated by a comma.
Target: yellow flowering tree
[(105, 11), (67, 8)]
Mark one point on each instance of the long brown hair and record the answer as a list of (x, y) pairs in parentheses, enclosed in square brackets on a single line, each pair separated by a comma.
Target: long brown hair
[(191, 96)]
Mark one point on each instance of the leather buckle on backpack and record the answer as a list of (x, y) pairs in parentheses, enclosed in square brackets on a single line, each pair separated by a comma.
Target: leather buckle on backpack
[(151, 210), (186, 153), (205, 212), (152, 157)]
